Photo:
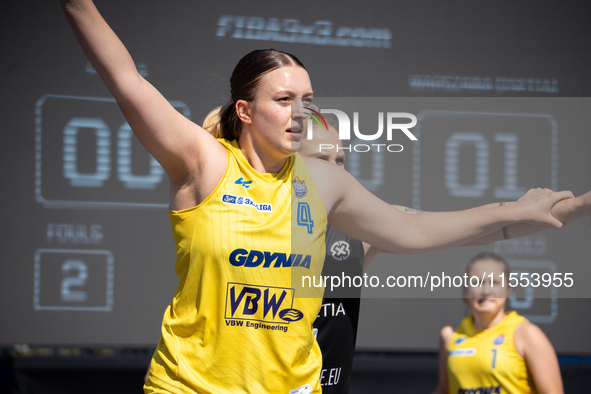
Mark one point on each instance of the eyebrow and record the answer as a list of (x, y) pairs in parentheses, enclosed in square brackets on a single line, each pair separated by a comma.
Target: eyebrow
[(320, 155), (292, 94)]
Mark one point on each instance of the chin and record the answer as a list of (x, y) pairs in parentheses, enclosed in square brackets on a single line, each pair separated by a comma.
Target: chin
[(488, 307), (295, 147), (486, 311)]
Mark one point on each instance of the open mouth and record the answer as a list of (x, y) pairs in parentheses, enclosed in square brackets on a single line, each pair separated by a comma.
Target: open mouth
[(487, 300), (295, 132)]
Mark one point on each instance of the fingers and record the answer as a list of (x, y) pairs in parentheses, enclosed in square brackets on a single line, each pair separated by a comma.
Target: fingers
[(536, 192), (585, 203), (556, 197), (529, 193), (541, 201), (563, 195), (557, 224)]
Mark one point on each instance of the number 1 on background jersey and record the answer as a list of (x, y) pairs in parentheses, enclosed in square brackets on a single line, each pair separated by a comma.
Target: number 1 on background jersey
[(305, 217), (494, 358)]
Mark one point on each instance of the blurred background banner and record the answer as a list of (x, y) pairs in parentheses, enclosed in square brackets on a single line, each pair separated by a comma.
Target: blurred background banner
[(87, 253)]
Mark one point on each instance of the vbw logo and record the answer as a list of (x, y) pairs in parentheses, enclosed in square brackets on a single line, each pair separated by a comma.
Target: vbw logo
[(340, 250), (460, 340), (291, 315), (254, 258), (261, 303)]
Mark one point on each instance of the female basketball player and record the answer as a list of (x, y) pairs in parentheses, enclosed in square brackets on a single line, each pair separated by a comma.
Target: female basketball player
[(493, 351), (236, 323)]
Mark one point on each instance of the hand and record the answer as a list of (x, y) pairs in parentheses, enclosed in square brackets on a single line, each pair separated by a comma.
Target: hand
[(534, 206), (584, 203), (572, 209)]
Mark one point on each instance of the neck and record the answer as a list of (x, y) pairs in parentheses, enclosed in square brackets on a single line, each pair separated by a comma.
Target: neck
[(262, 159), (484, 321)]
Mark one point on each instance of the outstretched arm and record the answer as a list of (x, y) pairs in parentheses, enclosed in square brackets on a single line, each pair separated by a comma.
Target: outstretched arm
[(566, 211), (188, 154), (355, 211)]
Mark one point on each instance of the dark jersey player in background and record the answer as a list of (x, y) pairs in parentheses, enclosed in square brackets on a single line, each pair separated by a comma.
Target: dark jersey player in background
[(336, 325)]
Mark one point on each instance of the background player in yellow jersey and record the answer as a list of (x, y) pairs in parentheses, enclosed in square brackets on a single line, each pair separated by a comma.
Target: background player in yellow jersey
[(493, 351), (260, 131)]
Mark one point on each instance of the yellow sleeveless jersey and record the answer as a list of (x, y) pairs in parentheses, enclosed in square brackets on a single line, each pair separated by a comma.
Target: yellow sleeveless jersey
[(236, 323), (487, 362)]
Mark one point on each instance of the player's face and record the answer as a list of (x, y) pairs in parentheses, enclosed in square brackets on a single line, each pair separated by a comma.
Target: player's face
[(487, 298), (276, 123), (324, 145)]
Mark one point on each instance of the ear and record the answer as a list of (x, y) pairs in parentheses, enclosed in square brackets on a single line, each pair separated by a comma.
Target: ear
[(244, 111)]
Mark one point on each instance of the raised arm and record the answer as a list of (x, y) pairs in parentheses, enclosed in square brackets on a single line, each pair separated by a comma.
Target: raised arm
[(189, 155), (443, 380)]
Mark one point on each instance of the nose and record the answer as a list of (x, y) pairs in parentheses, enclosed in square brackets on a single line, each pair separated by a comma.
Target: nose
[(487, 289), (297, 108)]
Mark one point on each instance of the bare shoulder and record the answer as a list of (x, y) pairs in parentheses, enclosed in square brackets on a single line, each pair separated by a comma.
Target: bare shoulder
[(317, 167), (197, 149), (527, 331), (445, 334), (203, 174), (528, 335), (328, 178)]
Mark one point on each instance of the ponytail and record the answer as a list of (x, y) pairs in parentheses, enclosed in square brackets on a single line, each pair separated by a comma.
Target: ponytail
[(223, 122)]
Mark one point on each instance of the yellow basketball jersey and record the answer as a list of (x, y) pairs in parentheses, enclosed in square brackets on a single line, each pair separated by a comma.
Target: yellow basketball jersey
[(236, 323), (487, 361)]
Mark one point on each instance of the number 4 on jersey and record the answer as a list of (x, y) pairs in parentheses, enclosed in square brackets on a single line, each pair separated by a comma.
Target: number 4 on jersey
[(305, 217)]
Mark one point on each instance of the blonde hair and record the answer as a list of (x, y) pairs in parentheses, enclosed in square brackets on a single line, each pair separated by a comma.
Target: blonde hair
[(211, 123)]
